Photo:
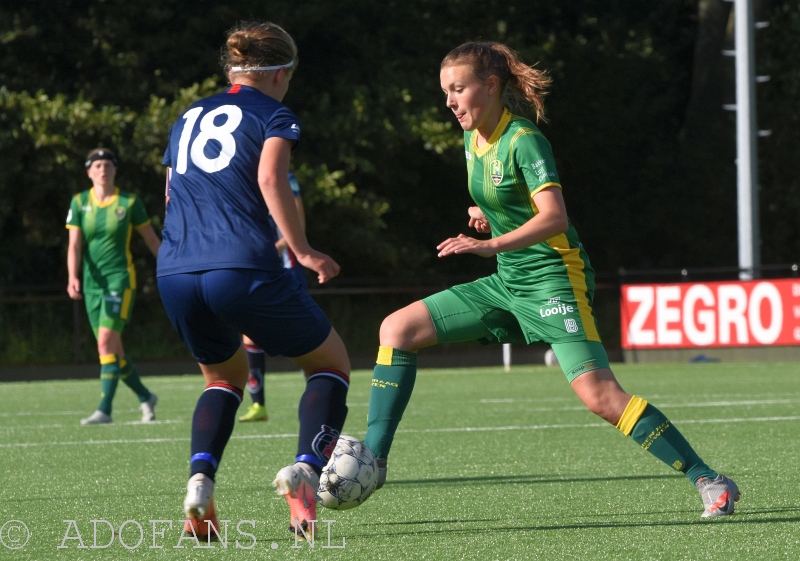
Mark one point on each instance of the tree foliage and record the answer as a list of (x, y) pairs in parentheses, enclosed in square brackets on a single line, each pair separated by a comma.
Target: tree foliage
[(647, 168)]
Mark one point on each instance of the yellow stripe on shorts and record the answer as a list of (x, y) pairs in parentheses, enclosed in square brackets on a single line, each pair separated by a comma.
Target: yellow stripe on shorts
[(577, 280), (125, 310)]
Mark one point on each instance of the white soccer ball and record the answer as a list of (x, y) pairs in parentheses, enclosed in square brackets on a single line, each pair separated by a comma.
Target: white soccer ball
[(350, 476), (550, 358)]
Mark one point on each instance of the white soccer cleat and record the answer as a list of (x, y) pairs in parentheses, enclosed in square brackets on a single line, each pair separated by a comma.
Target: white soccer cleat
[(719, 495), (96, 418), (298, 484), (199, 492), (201, 515), (148, 408)]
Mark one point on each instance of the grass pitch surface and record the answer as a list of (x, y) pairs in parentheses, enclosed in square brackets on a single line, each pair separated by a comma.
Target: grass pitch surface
[(487, 465)]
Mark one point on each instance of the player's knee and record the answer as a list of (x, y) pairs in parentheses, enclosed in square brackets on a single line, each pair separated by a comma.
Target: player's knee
[(396, 331)]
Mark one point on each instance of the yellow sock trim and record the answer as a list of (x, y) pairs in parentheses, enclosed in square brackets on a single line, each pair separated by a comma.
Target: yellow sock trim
[(633, 411), (108, 359), (123, 363), (385, 355)]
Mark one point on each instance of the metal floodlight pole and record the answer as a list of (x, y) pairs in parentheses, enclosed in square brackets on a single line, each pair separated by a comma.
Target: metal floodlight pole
[(746, 150)]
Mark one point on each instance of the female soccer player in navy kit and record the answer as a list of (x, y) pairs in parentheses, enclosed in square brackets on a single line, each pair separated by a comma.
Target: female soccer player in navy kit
[(544, 286), (219, 273)]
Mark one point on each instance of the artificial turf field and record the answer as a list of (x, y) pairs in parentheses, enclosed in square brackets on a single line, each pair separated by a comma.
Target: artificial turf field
[(487, 465)]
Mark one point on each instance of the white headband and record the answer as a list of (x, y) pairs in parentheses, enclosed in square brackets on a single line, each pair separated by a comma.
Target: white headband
[(260, 68)]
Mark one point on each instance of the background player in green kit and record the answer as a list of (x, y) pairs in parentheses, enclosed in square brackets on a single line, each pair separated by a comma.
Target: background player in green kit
[(105, 217), (544, 285)]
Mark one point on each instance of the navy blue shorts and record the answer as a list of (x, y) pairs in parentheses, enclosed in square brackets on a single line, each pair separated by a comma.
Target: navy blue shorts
[(300, 272), (210, 309)]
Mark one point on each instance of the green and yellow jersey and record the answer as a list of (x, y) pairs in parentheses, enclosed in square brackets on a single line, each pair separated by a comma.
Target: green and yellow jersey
[(107, 228), (504, 174)]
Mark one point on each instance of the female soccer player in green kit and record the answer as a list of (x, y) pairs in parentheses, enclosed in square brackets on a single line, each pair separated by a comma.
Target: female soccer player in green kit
[(105, 217), (544, 285)]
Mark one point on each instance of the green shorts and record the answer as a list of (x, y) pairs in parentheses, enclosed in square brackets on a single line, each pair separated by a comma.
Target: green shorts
[(488, 311), (109, 308)]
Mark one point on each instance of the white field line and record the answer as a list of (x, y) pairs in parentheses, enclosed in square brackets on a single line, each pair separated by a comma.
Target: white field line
[(595, 425), (132, 441), (730, 403), (660, 405), (74, 425), (40, 413), (485, 401), (37, 413), (409, 431)]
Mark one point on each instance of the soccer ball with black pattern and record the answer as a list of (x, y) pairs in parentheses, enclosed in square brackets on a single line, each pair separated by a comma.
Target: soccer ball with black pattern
[(350, 476)]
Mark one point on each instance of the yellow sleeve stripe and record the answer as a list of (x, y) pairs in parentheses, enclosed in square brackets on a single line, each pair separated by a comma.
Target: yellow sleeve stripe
[(143, 224), (385, 355), (545, 186), (631, 415), (72, 226), (108, 359)]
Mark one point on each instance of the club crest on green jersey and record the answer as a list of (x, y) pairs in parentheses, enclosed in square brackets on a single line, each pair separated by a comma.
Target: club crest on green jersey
[(120, 212), (496, 169)]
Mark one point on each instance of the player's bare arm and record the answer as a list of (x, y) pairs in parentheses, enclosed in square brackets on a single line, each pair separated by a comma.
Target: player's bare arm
[(550, 221), (273, 173), (150, 238), (74, 259), (281, 244)]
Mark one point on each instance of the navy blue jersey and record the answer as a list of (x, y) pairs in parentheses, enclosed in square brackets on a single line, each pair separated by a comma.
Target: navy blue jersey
[(216, 217)]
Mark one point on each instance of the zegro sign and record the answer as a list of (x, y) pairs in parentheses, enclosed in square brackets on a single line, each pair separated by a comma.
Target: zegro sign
[(711, 314)]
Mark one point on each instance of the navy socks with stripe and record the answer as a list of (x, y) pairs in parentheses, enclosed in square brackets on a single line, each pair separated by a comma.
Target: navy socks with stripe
[(212, 425), (257, 364), (322, 413)]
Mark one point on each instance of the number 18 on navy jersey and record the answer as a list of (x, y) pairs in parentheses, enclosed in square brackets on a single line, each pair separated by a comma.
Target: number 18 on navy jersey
[(216, 216)]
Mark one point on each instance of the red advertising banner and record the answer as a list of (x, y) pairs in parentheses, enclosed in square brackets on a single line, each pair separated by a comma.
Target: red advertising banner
[(711, 314)]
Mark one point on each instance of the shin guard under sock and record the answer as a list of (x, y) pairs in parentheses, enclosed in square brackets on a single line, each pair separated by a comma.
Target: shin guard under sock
[(257, 363), (130, 376), (322, 412), (109, 378), (655, 433), (392, 384), (212, 425)]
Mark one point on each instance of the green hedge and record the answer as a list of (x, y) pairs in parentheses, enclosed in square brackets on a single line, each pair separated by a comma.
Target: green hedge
[(42, 330)]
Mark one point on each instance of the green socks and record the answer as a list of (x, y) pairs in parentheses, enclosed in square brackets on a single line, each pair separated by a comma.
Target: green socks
[(655, 433), (130, 376), (109, 378), (392, 384)]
